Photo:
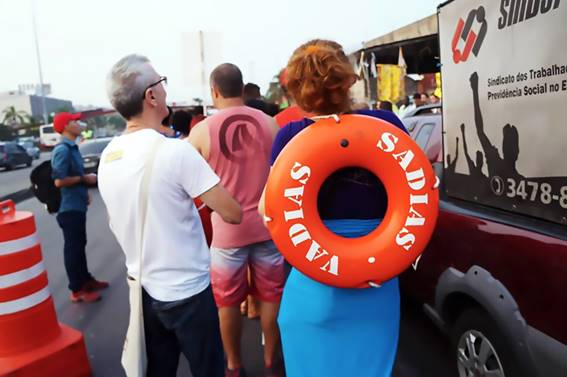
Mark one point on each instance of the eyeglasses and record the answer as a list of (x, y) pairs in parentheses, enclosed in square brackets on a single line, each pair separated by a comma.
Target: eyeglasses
[(161, 79)]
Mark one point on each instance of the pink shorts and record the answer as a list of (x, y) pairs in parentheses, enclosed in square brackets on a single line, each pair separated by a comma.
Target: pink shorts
[(229, 273)]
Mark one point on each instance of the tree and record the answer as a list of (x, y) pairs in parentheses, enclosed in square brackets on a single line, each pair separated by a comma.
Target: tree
[(7, 133), (33, 122), (116, 124), (30, 128), (64, 109), (275, 92), (13, 117)]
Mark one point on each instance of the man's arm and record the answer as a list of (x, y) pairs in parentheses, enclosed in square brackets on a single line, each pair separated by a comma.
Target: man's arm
[(89, 180), (199, 138), (60, 162), (68, 181), (274, 128), (221, 202), (470, 162), (484, 141), (262, 203), (200, 181), (452, 165), (457, 149), (280, 140)]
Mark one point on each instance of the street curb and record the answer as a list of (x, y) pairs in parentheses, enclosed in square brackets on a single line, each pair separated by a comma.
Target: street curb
[(18, 196)]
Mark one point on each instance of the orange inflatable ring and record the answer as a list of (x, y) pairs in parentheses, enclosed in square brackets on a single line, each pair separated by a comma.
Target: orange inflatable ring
[(313, 155)]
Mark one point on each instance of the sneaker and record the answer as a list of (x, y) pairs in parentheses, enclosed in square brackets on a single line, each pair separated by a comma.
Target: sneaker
[(95, 285), (85, 296)]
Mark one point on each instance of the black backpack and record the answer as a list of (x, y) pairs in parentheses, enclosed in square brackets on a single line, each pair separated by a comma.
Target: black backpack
[(44, 188)]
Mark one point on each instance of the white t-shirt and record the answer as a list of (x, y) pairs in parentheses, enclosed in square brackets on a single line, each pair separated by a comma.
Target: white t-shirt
[(176, 256)]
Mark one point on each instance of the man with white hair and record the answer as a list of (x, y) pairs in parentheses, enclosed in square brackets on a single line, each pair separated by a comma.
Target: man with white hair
[(178, 306)]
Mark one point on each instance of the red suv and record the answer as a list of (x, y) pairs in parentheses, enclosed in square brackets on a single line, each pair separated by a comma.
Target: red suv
[(492, 280)]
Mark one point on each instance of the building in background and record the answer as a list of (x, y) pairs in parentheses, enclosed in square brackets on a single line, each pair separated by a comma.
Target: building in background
[(32, 103)]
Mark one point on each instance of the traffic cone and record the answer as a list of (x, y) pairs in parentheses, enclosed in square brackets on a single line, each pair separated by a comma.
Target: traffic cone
[(32, 342)]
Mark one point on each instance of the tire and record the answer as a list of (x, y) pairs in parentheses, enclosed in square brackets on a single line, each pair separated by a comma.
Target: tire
[(9, 167), (484, 336), (28, 164)]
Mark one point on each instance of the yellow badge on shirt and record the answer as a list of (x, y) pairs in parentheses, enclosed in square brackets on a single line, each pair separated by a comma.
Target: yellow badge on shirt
[(114, 156)]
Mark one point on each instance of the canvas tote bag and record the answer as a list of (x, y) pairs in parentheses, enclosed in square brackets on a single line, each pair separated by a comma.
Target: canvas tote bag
[(134, 358)]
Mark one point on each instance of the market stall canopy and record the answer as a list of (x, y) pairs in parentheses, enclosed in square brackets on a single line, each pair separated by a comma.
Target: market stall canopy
[(419, 43), (419, 29)]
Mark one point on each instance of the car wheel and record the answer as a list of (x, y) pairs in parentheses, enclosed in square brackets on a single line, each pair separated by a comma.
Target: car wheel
[(9, 167), (29, 163), (480, 348)]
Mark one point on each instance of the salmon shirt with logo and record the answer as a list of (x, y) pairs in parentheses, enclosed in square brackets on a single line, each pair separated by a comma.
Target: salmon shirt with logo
[(240, 147)]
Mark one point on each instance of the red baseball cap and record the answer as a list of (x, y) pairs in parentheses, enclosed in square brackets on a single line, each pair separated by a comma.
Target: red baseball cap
[(61, 120)]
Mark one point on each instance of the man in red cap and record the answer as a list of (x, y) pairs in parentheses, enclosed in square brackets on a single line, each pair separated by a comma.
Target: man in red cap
[(69, 175)]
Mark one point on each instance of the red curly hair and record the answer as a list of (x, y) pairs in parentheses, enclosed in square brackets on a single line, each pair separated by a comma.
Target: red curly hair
[(319, 77)]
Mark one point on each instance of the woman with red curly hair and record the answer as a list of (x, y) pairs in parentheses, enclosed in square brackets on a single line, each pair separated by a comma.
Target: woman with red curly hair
[(329, 331)]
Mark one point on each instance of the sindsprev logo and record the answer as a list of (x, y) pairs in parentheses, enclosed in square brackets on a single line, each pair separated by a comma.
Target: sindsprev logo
[(465, 34)]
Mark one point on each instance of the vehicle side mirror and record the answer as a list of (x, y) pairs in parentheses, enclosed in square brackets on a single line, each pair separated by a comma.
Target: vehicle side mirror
[(411, 125)]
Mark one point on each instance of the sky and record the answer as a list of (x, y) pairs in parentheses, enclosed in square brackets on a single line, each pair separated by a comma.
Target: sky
[(80, 40)]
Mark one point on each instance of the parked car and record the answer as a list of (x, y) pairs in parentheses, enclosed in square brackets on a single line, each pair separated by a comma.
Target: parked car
[(493, 281), (12, 155), (435, 108), (91, 151), (425, 127), (30, 148)]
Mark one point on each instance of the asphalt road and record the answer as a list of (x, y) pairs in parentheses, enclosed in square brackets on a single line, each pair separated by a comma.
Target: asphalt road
[(422, 351), (18, 179)]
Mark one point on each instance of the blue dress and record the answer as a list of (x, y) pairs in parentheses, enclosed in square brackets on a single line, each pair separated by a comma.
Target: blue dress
[(329, 331)]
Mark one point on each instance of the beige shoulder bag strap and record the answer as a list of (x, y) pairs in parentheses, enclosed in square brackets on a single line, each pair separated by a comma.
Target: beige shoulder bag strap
[(134, 358)]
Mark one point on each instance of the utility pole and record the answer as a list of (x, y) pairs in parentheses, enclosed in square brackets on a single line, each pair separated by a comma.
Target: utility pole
[(251, 76), (41, 86), (203, 81)]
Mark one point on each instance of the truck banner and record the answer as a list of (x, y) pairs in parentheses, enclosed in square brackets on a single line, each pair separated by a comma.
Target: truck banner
[(504, 78)]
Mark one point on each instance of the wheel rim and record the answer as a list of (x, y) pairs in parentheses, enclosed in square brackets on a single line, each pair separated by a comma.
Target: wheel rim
[(477, 357)]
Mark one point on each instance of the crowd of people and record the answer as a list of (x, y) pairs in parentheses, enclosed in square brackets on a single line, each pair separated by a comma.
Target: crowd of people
[(405, 106), (191, 293)]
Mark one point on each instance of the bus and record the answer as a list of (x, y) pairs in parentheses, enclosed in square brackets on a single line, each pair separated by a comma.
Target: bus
[(48, 138)]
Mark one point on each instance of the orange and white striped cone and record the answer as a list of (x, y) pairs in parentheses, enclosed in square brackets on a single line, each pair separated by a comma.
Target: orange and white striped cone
[(32, 342)]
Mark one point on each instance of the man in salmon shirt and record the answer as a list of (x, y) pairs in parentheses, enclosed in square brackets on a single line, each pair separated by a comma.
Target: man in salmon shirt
[(237, 142)]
